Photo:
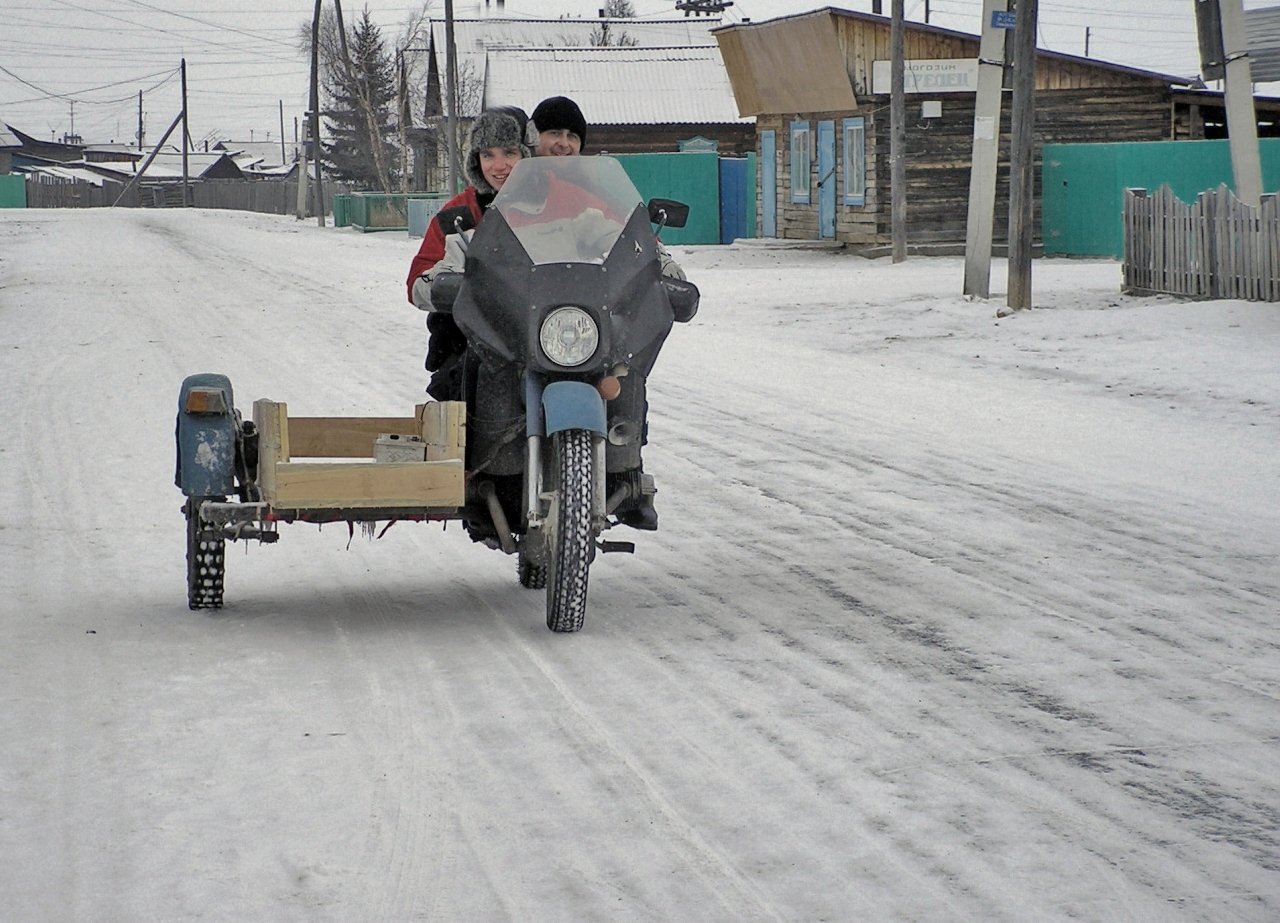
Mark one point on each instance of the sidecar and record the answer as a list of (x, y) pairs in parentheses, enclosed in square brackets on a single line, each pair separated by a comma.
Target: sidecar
[(242, 478)]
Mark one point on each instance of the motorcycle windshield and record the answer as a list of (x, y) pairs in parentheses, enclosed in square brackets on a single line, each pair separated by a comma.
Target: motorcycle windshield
[(567, 209)]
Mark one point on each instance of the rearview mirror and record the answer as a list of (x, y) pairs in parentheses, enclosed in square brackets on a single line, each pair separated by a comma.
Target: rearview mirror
[(668, 213)]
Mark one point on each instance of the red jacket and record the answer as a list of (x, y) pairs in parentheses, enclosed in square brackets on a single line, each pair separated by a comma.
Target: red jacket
[(431, 250)]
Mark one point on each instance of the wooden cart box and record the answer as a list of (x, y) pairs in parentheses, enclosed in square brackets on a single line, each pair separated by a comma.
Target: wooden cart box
[(436, 482)]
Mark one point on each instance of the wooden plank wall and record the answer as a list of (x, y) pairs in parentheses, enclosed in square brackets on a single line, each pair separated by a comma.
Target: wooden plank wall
[(734, 137)]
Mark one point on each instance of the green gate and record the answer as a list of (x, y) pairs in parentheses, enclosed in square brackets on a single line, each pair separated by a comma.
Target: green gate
[(690, 178)]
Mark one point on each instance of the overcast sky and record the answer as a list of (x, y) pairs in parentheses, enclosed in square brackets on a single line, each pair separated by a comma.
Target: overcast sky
[(80, 64)]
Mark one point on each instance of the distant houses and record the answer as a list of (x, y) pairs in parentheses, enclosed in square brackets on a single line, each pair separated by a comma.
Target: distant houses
[(113, 162)]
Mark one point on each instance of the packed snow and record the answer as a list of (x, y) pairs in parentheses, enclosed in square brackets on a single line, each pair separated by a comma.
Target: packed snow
[(950, 617)]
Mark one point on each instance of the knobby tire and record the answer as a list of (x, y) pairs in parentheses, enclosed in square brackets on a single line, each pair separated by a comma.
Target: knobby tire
[(572, 542)]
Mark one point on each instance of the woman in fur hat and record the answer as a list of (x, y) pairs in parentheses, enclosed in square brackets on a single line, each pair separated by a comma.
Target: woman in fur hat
[(498, 141)]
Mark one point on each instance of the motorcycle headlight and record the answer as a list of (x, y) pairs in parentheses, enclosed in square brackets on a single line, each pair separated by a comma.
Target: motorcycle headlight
[(569, 336)]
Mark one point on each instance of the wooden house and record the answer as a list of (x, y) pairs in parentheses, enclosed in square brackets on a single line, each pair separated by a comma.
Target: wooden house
[(655, 86), (823, 130)]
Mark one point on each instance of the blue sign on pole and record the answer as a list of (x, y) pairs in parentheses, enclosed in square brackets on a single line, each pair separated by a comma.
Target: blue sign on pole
[(1003, 20)]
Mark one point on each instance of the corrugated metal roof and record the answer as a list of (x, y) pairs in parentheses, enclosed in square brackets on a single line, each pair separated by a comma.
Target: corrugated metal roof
[(64, 173), (617, 85), (1262, 28)]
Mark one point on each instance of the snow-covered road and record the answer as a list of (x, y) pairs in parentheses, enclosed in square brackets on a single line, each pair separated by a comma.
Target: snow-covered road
[(949, 618)]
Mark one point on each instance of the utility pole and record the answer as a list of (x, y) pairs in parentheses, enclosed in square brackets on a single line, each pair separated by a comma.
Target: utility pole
[(1242, 120), (186, 138), (402, 117), (451, 124), (1022, 158), (314, 115), (986, 151), (897, 135), (139, 120), (283, 158)]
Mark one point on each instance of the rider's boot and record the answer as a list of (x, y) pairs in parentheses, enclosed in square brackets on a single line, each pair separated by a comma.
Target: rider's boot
[(642, 514)]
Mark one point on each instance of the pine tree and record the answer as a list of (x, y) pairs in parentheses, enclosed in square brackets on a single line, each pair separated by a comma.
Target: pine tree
[(360, 116)]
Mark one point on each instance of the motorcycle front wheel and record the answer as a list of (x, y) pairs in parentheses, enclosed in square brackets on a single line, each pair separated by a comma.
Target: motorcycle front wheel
[(571, 546)]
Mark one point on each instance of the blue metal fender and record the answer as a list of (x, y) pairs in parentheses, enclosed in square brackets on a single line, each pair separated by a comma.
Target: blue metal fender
[(206, 437), (573, 405)]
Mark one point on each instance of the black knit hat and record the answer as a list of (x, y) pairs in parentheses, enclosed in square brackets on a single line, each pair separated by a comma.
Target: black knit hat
[(560, 112), (505, 127)]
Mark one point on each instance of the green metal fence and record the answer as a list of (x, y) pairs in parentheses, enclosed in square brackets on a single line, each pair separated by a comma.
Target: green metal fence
[(377, 211), (13, 191), (1082, 186)]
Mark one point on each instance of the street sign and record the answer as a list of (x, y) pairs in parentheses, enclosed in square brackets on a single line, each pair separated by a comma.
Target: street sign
[(1003, 20)]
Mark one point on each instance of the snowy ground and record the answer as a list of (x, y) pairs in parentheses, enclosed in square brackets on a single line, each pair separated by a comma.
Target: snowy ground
[(950, 618)]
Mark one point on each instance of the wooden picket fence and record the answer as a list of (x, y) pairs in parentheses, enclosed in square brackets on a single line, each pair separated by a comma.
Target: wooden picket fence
[(1217, 247), (276, 197)]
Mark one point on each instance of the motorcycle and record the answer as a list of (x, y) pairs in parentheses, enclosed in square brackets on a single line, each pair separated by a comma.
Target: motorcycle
[(565, 308)]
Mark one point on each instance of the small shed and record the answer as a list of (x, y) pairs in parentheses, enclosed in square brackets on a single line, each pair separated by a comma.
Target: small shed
[(823, 130)]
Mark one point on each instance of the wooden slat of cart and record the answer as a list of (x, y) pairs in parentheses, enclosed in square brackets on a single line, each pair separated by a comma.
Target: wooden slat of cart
[(343, 437), (355, 485), (339, 485)]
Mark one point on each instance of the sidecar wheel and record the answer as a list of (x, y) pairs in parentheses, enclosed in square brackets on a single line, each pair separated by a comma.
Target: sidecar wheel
[(571, 542), (533, 576), (206, 557)]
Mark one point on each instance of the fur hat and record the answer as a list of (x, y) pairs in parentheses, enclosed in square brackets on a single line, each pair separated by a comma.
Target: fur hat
[(505, 127), (560, 112)]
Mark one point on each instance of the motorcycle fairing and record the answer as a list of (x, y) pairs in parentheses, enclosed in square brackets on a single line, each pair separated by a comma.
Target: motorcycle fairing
[(505, 298)]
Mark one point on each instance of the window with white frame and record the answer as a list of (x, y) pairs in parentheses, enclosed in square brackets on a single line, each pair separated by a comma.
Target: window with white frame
[(855, 161), (800, 162)]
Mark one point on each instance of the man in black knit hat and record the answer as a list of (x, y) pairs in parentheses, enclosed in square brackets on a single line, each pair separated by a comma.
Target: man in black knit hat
[(562, 130)]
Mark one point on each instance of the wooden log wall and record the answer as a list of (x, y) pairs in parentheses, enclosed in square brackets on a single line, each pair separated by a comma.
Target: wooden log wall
[(939, 153)]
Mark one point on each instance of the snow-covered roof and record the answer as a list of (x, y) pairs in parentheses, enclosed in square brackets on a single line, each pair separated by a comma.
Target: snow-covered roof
[(83, 174), (249, 152), (166, 165), (476, 39), (617, 85), (474, 36), (259, 169)]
